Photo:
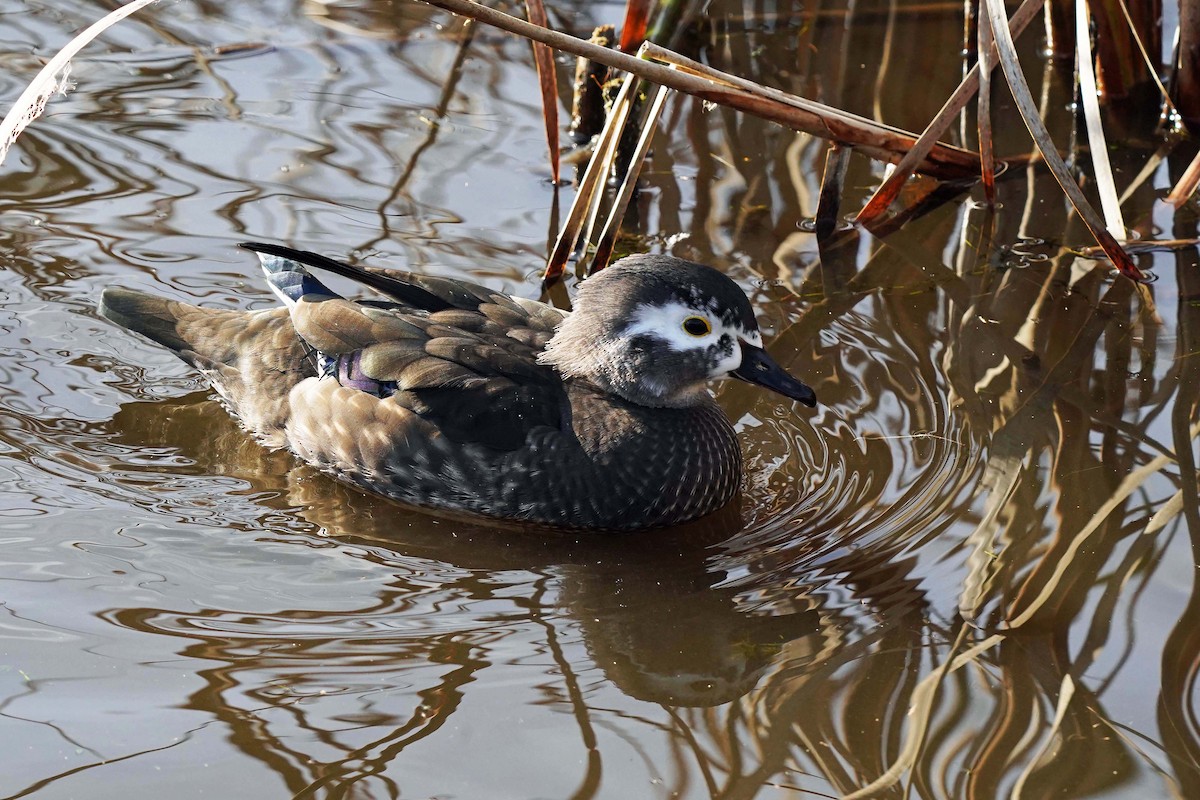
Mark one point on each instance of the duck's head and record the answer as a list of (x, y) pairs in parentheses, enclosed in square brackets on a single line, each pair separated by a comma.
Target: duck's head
[(655, 330)]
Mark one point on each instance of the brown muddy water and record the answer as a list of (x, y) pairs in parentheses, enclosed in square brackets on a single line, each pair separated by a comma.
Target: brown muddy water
[(970, 573)]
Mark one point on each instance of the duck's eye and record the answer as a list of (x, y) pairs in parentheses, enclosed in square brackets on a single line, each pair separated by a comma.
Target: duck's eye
[(697, 326)]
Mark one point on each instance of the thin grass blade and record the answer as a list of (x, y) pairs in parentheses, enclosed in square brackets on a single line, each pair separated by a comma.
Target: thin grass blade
[(543, 59), (1151, 64), (1089, 92), (1037, 129), (1145, 246), (987, 157), (886, 194), (52, 78)]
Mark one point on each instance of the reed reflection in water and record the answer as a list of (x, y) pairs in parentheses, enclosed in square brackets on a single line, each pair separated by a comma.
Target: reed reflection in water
[(970, 573)]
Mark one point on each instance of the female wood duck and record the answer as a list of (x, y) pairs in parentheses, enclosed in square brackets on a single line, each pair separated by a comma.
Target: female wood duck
[(451, 395)]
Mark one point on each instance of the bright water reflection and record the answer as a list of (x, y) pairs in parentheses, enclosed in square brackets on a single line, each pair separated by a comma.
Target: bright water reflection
[(970, 573)]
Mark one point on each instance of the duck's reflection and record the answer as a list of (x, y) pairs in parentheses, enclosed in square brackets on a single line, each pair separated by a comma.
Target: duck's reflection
[(682, 622)]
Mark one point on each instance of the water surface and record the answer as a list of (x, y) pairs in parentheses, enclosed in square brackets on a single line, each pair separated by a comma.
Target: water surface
[(969, 573)]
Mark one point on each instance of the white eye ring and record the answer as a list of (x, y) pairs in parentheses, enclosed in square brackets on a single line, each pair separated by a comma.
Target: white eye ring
[(697, 327)]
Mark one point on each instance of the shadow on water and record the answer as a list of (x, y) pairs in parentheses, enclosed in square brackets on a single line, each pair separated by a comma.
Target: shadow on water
[(683, 620), (970, 573)]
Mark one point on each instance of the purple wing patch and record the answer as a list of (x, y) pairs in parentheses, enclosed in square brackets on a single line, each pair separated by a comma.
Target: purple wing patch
[(347, 370)]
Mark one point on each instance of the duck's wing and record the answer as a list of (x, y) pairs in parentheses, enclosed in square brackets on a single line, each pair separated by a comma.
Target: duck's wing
[(423, 292), (460, 356)]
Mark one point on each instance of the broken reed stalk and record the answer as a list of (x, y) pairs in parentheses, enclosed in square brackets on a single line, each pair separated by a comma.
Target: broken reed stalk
[(1089, 95), (633, 29), (53, 77), (886, 194), (838, 125), (987, 157), (626, 110), (1187, 184), (837, 159), (692, 67), (878, 141), (590, 185), (608, 236), (1037, 129), (543, 59), (1144, 246)]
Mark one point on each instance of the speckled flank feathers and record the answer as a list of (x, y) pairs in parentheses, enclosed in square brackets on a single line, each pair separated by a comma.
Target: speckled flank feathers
[(451, 395)]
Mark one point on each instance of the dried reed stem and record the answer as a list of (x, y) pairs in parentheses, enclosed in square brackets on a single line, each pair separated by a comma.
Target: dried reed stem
[(591, 185), (1089, 95), (888, 191), (53, 78), (608, 235), (543, 59), (1037, 129), (868, 137)]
